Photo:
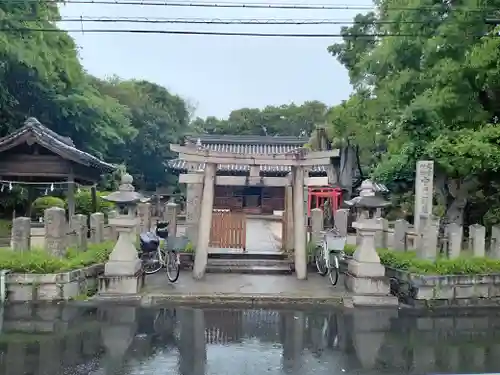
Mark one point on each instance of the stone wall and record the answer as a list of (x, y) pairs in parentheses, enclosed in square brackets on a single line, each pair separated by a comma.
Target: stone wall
[(52, 287)]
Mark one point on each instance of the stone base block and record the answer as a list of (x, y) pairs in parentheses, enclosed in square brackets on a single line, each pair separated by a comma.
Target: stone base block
[(121, 284), (125, 268), (364, 269), (367, 285)]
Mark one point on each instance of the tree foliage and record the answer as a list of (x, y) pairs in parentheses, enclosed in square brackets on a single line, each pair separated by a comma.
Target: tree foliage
[(429, 89)]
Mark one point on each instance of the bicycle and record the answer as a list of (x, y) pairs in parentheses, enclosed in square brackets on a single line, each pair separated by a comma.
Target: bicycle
[(328, 254), (156, 255)]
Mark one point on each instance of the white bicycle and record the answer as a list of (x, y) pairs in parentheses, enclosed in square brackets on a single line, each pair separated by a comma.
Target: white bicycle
[(328, 254)]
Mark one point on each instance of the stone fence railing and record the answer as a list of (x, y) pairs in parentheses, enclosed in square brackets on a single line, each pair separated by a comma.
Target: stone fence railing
[(56, 234)]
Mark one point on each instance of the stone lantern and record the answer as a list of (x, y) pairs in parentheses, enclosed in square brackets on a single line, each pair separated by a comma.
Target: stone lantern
[(365, 276), (368, 202), (123, 271)]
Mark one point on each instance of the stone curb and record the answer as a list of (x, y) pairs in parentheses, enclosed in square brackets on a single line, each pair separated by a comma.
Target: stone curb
[(247, 300)]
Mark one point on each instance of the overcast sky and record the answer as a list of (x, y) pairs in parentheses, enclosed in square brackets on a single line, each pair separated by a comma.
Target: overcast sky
[(217, 74)]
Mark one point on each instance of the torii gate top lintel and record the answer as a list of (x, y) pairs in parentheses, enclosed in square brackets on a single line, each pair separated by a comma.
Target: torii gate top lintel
[(302, 157)]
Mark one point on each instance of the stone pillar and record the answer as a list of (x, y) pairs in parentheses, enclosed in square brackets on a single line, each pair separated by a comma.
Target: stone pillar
[(381, 235), (428, 242), (56, 229), (495, 242), (172, 210), (289, 240), (79, 226), (122, 272), (477, 236), (399, 237), (365, 276), (316, 225), (300, 225), (194, 193), (97, 227), (455, 235), (341, 220), (293, 341), (111, 215), (205, 224), (21, 234), (424, 187), (144, 217)]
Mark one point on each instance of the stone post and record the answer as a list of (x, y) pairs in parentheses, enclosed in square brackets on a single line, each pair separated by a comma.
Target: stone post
[(495, 242), (111, 215), (381, 235), (424, 187), (365, 276), (194, 193), (477, 235), (341, 219), (428, 240), (172, 210), (192, 342), (300, 225), (56, 229), (455, 235), (205, 224), (317, 225), (97, 227), (289, 240), (79, 226), (21, 234), (399, 238), (144, 217)]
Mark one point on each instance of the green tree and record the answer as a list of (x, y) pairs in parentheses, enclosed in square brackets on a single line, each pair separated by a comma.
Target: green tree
[(433, 94)]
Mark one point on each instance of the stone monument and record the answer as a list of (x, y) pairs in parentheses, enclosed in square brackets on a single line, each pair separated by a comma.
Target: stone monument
[(123, 272), (365, 276)]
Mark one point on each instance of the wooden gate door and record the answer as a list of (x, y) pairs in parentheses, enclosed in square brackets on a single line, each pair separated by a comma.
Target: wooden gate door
[(229, 230)]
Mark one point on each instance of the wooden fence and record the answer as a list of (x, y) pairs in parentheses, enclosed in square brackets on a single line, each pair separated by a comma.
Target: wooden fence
[(228, 230)]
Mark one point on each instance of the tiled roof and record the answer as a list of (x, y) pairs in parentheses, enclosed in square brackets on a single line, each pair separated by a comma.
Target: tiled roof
[(247, 145), (55, 143)]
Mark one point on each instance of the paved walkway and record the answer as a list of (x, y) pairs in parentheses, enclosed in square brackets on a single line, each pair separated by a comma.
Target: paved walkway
[(243, 289), (260, 236)]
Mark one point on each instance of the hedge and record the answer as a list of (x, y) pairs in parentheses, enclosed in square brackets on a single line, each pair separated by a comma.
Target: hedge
[(408, 261), (40, 204), (39, 261)]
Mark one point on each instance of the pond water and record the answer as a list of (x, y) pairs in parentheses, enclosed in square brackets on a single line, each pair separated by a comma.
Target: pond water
[(184, 341)]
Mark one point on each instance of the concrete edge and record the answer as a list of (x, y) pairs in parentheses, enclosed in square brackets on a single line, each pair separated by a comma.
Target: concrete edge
[(242, 300)]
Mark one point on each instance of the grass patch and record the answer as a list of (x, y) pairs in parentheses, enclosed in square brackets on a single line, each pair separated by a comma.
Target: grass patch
[(408, 261), (38, 261)]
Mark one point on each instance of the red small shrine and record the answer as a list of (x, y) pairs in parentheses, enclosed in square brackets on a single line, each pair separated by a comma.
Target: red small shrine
[(317, 196)]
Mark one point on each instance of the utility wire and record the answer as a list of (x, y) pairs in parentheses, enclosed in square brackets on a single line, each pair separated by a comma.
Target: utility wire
[(222, 4), (214, 21), (216, 33)]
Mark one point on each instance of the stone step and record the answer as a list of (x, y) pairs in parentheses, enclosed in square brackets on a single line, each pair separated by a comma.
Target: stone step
[(256, 270), (248, 262), (246, 255)]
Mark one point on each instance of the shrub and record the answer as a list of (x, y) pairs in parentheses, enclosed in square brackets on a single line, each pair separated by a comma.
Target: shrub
[(83, 202), (408, 261), (5, 228), (42, 203), (39, 261)]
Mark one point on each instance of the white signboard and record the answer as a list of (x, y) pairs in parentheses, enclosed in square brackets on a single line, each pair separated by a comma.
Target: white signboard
[(424, 187)]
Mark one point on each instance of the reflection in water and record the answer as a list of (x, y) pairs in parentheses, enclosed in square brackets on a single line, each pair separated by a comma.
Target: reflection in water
[(54, 340)]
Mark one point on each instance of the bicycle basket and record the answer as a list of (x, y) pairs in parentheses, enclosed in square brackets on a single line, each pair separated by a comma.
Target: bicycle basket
[(334, 242)]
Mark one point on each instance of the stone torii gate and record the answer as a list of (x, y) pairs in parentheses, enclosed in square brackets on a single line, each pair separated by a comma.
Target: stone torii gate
[(300, 161)]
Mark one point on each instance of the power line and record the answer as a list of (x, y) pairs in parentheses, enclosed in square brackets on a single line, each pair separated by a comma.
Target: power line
[(222, 4), (213, 21), (216, 33)]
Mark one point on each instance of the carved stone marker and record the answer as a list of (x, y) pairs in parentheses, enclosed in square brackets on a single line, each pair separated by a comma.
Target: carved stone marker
[(424, 184)]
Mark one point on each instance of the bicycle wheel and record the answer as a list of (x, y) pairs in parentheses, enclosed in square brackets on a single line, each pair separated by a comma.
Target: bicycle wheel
[(320, 261), (334, 270), (151, 263), (172, 266)]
